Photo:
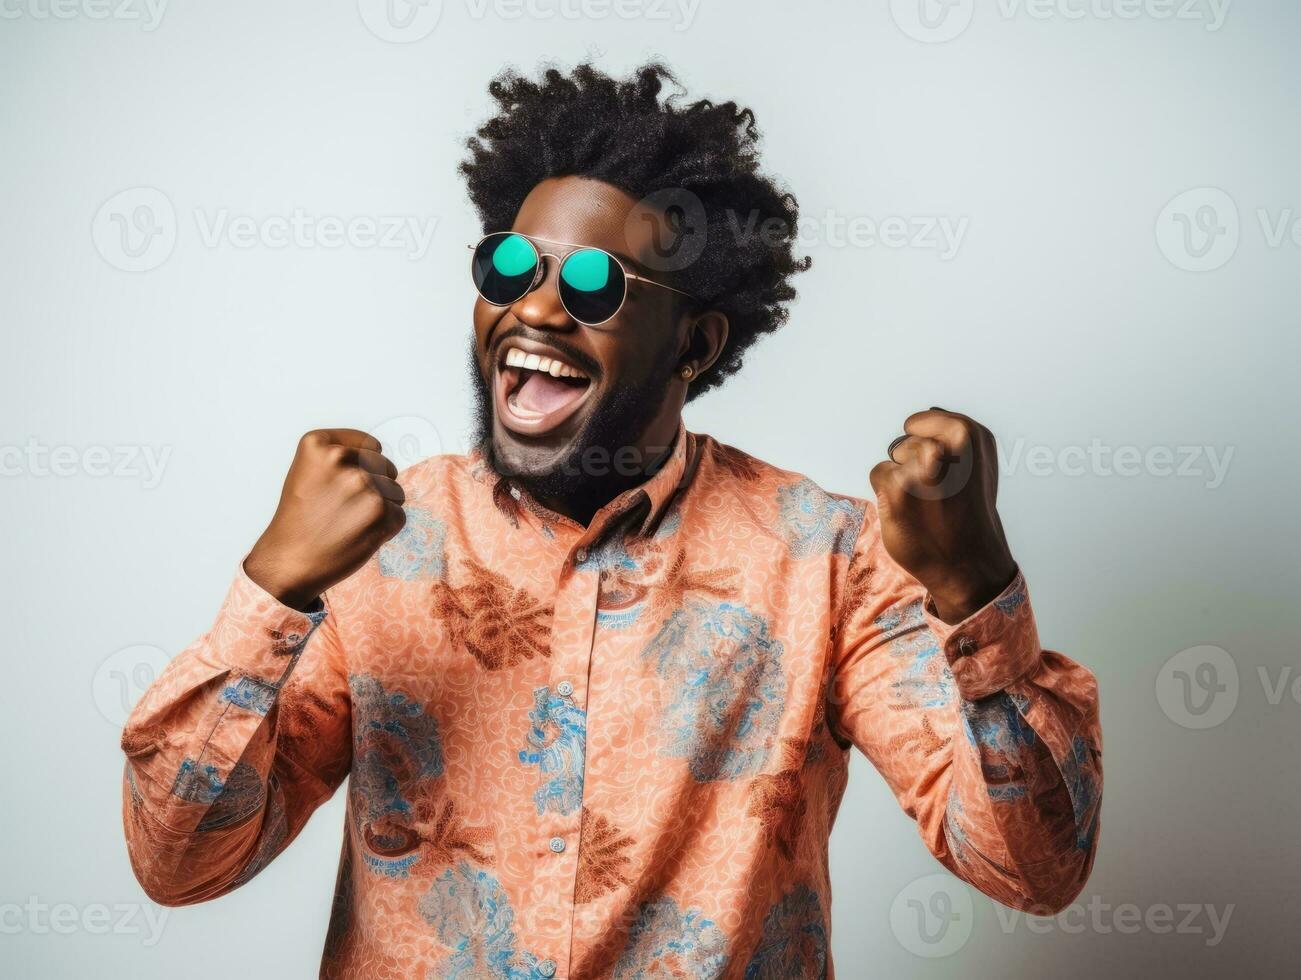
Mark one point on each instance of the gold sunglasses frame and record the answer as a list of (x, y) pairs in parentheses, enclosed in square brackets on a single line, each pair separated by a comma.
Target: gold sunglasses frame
[(539, 274)]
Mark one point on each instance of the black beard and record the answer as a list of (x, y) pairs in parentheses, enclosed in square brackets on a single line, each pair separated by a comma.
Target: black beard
[(618, 422)]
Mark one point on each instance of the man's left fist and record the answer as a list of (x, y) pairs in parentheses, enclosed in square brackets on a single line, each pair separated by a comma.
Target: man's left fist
[(936, 498)]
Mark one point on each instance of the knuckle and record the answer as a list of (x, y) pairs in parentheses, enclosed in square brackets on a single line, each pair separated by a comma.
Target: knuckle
[(374, 511), (314, 439)]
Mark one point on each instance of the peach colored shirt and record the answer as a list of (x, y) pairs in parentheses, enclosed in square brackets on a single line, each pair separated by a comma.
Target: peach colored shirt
[(611, 751)]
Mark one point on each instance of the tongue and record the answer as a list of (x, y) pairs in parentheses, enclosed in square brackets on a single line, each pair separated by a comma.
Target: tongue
[(544, 394)]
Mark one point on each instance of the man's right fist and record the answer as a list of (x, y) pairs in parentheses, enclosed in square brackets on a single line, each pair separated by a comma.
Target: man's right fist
[(340, 502)]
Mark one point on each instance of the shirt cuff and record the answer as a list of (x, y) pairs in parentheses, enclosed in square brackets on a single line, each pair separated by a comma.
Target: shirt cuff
[(994, 647), (258, 636)]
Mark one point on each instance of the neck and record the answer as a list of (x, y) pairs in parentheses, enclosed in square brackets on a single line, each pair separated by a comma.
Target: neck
[(604, 477)]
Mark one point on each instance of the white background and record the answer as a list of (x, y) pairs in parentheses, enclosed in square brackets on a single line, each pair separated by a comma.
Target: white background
[(1067, 319)]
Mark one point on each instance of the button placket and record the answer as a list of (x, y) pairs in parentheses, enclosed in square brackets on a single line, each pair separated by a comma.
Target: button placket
[(575, 633)]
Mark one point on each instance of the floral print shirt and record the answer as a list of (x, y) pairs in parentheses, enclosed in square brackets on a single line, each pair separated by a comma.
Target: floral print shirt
[(614, 750)]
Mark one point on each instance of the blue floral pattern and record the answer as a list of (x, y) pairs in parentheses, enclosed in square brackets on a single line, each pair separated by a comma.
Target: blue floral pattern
[(1003, 737), (557, 743), (395, 747), (1083, 779), (813, 522), (472, 917), (665, 941), (417, 551), (794, 940), (726, 688), (926, 680)]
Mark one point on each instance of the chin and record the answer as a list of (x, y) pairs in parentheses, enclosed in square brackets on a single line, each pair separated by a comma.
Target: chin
[(529, 457)]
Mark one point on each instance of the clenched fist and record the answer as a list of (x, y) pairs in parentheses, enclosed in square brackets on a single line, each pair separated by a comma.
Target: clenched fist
[(936, 499), (340, 502)]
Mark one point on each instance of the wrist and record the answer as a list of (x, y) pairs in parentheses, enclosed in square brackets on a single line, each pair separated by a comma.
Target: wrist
[(968, 594), (286, 588)]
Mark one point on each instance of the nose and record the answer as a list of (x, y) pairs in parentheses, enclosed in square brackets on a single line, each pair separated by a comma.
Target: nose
[(541, 307)]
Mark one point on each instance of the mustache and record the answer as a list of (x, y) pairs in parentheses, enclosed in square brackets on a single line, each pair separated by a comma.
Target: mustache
[(578, 358)]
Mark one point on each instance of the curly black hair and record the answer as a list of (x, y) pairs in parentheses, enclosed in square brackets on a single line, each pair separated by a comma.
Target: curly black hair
[(589, 124)]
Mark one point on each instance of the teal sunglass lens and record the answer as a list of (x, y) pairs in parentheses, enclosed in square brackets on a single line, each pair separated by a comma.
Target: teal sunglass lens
[(591, 285), (504, 268), (514, 256), (587, 270)]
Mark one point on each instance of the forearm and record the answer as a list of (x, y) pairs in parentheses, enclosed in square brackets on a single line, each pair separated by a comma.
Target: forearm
[(204, 776), (1020, 819)]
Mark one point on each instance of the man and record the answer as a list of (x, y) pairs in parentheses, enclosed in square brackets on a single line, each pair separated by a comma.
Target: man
[(596, 683)]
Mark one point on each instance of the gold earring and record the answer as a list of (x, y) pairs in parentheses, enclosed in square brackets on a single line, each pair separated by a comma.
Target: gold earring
[(687, 372)]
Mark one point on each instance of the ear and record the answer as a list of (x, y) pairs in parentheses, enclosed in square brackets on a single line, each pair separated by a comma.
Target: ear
[(706, 336)]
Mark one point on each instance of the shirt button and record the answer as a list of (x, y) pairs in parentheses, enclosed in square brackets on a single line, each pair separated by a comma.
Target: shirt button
[(557, 844), (547, 968), (564, 689), (580, 556), (966, 646)]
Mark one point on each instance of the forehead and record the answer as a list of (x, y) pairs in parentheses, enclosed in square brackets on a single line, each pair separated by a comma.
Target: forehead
[(584, 211)]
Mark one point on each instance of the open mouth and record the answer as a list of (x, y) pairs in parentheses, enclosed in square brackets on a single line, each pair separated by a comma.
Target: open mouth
[(537, 390)]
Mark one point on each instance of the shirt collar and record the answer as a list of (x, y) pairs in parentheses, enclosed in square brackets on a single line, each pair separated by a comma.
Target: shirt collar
[(654, 495)]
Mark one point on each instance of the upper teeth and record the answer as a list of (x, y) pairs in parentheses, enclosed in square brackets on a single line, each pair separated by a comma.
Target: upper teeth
[(533, 362)]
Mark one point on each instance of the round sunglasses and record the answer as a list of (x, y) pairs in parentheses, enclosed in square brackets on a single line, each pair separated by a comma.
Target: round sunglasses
[(593, 284)]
